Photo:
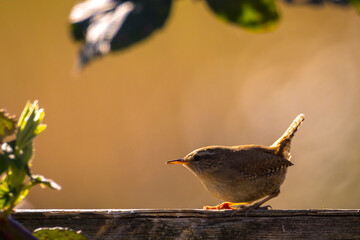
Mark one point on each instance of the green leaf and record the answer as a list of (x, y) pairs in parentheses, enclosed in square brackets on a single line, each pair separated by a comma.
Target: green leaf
[(39, 129), (38, 179), (29, 126), (7, 124), (16, 180), (113, 25), (9, 152), (21, 196), (27, 153), (40, 114), (58, 233), (11, 195), (5, 196), (253, 15), (356, 4), (24, 114), (4, 163)]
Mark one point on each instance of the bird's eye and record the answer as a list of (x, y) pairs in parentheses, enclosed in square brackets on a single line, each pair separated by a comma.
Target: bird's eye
[(196, 158)]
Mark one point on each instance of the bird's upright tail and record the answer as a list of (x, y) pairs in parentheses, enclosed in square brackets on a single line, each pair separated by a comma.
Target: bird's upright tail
[(282, 145)]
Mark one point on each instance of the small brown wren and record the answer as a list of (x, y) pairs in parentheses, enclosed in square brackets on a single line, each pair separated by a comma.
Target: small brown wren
[(243, 174)]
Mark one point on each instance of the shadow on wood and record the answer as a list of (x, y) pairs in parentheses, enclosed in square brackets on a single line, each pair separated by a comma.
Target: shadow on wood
[(198, 224)]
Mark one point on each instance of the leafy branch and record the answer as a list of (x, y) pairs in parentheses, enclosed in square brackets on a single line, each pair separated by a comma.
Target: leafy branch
[(16, 177), (16, 158)]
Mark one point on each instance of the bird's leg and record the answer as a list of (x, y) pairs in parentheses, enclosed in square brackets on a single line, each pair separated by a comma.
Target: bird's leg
[(224, 205), (258, 204)]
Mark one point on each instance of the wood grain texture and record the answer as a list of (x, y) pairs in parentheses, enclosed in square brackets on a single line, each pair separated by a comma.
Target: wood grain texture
[(107, 224)]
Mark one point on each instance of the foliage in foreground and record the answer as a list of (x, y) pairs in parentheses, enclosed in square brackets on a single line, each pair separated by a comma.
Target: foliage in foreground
[(16, 178), (113, 25)]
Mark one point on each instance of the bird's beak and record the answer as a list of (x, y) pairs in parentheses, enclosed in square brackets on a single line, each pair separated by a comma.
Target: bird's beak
[(177, 161)]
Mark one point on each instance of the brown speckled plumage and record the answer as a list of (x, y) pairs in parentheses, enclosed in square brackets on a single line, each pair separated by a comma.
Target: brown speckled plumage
[(243, 173)]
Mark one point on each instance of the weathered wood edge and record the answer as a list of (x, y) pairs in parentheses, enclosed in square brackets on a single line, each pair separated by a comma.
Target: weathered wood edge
[(111, 224), (176, 213)]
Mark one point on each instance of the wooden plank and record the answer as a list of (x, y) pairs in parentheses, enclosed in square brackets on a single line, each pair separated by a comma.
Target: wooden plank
[(199, 224)]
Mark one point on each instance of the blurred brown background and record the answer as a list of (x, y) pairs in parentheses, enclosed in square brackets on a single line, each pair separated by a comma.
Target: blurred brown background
[(197, 82)]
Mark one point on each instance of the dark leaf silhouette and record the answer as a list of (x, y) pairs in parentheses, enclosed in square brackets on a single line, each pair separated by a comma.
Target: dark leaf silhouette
[(109, 25), (254, 15), (319, 2), (356, 4)]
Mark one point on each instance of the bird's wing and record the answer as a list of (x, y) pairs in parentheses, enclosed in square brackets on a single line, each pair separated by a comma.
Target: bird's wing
[(255, 162)]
